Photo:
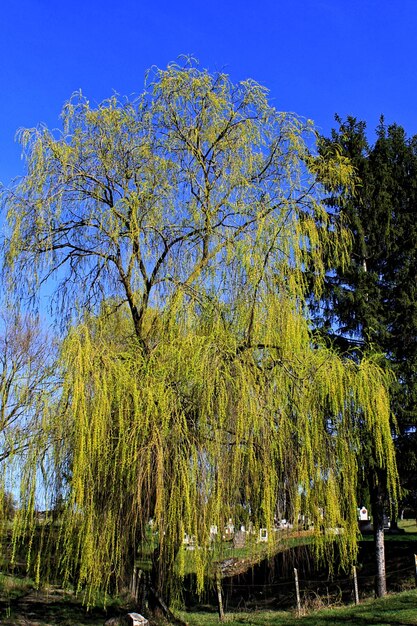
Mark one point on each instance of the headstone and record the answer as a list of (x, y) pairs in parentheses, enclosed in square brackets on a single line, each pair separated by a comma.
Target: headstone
[(131, 619), (363, 514), (281, 524), (364, 522), (239, 539), (135, 619), (229, 530)]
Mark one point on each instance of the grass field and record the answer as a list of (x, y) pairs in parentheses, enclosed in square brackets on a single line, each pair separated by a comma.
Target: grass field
[(409, 525), (27, 607), (397, 609), (408, 532), (21, 604), (252, 553)]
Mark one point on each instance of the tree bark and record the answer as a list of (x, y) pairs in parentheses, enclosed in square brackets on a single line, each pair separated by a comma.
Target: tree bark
[(377, 503), (380, 582), (219, 596)]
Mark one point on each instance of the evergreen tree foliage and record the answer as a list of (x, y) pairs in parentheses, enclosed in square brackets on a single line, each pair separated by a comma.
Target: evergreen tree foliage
[(183, 229), (371, 303)]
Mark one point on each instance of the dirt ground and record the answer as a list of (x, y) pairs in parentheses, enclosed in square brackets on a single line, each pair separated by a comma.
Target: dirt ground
[(50, 608)]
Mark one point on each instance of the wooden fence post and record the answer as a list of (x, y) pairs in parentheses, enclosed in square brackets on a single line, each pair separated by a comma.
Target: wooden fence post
[(297, 592), (355, 585), (138, 584), (132, 589)]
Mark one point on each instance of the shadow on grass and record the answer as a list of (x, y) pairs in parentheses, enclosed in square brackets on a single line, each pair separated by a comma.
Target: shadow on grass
[(43, 609)]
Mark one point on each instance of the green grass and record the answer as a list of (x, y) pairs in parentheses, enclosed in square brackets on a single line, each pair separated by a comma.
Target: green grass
[(396, 609), (254, 551), (282, 541), (12, 587), (409, 527), (21, 603)]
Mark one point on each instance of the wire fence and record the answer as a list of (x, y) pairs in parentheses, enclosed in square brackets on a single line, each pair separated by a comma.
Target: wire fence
[(321, 581), (310, 592)]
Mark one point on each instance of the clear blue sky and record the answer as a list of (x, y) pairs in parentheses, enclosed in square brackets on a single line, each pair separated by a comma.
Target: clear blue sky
[(317, 57)]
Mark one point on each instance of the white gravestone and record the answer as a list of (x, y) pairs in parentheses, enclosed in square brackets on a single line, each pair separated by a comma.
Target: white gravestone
[(135, 619), (363, 514)]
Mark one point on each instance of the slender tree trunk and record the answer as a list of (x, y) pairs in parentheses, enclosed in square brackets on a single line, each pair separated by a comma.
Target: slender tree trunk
[(381, 585), (219, 597), (377, 503)]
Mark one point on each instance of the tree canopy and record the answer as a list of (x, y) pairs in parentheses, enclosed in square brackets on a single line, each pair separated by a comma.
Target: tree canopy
[(370, 303), (184, 229), (174, 191)]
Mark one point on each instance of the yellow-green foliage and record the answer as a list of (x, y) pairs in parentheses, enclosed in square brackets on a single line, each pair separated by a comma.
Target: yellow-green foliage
[(200, 427), (193, 217)]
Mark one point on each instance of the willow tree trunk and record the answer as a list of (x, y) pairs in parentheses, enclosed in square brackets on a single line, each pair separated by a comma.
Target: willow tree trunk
[(160, 589)]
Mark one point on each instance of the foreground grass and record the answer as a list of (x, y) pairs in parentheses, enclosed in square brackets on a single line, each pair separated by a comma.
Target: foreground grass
[(396, 609), (22, 604)]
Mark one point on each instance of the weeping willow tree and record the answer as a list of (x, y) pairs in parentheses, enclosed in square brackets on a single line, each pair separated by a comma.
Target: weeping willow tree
[(184, 230)]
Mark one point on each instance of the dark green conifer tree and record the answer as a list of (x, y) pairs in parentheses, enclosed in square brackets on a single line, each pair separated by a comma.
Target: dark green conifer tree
[(371, 303)]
